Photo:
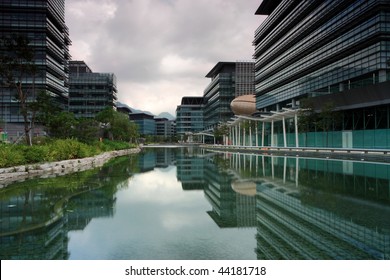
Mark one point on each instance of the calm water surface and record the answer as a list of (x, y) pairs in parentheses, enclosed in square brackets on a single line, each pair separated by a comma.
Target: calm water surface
[(184, 203)]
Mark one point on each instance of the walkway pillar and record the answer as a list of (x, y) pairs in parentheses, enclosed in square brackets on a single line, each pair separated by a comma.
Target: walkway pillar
[(262, 135), (284, 132), (272, 133), (250, 134), (239, 134), (257, 135), (243, 136), (296, 131), (263, 164), (296, 171), (235, 135)]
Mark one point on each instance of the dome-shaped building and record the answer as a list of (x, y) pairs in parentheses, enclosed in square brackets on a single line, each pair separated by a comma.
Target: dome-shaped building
[(244, 105)]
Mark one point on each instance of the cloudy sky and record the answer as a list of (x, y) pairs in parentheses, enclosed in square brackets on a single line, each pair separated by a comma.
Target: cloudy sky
[(160, 50)]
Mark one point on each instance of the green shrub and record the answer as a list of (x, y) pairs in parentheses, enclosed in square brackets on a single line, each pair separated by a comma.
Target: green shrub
[(55, 150), (10, 157), (115, 145), (63, 149), (35, 154)]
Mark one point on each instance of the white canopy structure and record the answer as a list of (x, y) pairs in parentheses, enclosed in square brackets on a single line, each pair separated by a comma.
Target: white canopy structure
[(272, 117)]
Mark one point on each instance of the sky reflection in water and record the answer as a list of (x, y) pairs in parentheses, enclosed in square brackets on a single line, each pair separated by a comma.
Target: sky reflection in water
[(156, 219)]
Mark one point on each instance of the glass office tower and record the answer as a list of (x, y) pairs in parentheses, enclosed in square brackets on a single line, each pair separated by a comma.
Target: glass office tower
[(228, 80), (219, 94), (331, 51), (43, 23), (316, 48), (189, 115), (89, 92)]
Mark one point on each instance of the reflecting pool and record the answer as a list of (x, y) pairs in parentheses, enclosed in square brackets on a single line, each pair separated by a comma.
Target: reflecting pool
[(188, 203)]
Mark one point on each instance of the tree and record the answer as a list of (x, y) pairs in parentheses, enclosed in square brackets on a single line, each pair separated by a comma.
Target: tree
[(328, 119), (16, 68), (117, 126), (62, 125), (121, 127), (220, 132), (106, 117), (322, 119), (308, 117), (44, 108), (87, 130)]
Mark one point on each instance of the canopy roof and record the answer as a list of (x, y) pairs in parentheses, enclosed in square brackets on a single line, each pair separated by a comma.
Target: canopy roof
[(271, 116)]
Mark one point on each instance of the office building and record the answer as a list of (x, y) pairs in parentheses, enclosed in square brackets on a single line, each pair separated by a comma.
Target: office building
[(123, 108), (228, 80), (332, 52), (145, 122), (89, 92), (189, 116), (219, 94), (42, 22), (244, 78), (165, 128)]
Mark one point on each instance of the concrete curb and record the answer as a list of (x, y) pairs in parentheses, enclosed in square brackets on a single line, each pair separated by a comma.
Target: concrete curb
[(51, 169)]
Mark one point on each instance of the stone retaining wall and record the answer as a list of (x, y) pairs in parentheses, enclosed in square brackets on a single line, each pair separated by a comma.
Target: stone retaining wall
[(52, 169)]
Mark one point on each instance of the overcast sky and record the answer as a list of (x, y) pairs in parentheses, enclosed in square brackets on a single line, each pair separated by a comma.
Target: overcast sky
[(160, 50)]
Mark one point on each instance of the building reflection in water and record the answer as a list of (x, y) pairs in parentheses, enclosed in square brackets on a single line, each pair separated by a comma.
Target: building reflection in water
[(232, 205), (92, 195), (318, 209), (301, 208), (29, 227)]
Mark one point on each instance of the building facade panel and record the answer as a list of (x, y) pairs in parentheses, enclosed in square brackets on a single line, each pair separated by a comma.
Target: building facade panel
[(317, 48), (164, 127), (145, 122), (42, 22), (189, 115), (90, 92), (228, 80)]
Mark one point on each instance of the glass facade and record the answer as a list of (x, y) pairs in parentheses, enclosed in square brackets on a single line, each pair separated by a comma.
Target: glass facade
[(228, 80), (89, 92), (245, 77), (219, 94), (165, 127), (145, 122), (43, 23), (189, 115), (316, 48)]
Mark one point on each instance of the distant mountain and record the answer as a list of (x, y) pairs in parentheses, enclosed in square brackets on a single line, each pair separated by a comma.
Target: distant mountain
[(161, 115), (140, 111), (166, 115), (120, 104)]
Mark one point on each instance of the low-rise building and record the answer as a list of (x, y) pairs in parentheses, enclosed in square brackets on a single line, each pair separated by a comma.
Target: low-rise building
[(164, 127), (189, 116), (145, 122)]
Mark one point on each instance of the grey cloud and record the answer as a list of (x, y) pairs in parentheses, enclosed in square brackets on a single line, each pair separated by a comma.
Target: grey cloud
[(135, 38)]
